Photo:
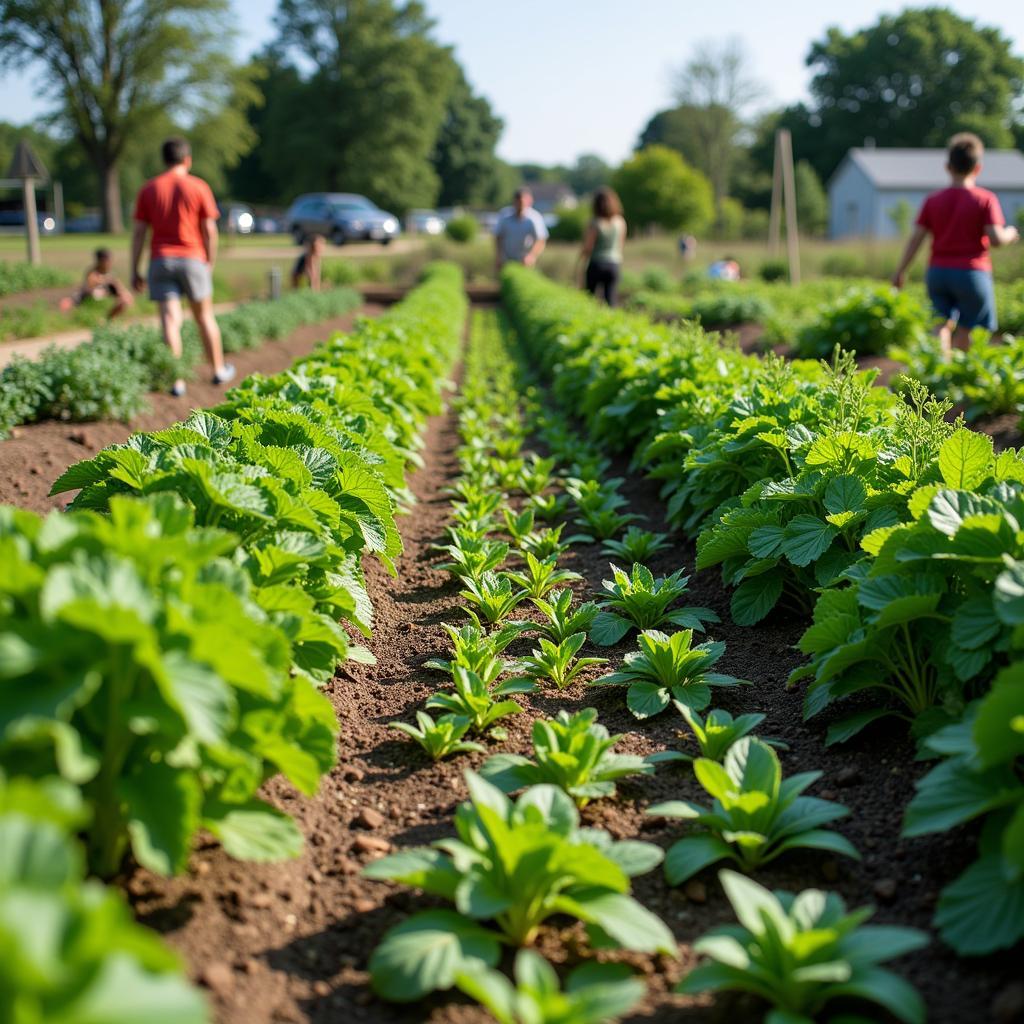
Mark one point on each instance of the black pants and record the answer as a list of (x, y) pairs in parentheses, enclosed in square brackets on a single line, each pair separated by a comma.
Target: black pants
[(603, 280)]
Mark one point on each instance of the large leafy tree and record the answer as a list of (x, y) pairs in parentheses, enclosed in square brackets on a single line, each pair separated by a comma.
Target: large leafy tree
[(659, 189), (366, 114), (464, 157), (911, 79), (119, 73)]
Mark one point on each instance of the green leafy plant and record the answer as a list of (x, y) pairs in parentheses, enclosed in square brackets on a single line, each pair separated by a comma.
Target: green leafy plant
[(636, 545), (518, 524), (541, 576), (493, 596), (513, 865), (755, 816), (548, 507), (536, 475), (594, 993), (470, 559), (802, 952), (478, 700), (554, 661), (476, 649), (714, 735), (548, 543), (640, 600), (668, 668), (573, 752), (441, 737), (561, 619)]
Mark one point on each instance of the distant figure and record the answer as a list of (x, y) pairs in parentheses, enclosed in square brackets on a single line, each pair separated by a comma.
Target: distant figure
[(520, 234), (181, 211), (724, 270), (688, 248), (307, 266), (603, 243), (964, 221), (99, 284)]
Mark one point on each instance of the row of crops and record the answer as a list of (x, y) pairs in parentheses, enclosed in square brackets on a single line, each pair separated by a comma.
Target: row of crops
[(108, 377), (162, 646), (516, 862), (897, 533)]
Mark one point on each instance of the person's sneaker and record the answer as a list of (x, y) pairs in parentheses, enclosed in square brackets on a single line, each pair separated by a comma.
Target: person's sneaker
[(225, 374), (178, 388)]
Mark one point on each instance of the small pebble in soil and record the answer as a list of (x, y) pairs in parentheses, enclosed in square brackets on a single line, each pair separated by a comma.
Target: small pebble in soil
[(346, 866), (1008, 1006), (696, 892), (849, 776), (369, 818), (218, 978), (828, 794), (370, 844), (260, 900), (354, 775), (322, 988), (364, 906), (885, 889)]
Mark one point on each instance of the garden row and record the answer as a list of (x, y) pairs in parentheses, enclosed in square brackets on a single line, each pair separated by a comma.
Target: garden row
[(898, 534), (515, 864), (109, 376), (25, 277), (161, 646)]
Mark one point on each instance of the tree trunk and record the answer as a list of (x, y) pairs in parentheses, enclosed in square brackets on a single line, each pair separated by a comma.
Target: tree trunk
[(110, 195)]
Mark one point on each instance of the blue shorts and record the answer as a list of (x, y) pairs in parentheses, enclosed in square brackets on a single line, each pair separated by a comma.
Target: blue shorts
[(966, 296)]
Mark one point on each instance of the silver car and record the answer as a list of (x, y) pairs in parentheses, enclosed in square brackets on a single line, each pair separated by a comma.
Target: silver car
[(341, 217)]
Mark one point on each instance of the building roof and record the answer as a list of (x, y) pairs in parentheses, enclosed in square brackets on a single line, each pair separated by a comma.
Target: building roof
[(926, 168)]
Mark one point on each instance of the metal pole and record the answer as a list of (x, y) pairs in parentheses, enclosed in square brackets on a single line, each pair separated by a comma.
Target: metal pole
[(789, 194), (58, 205), (31, 221), (274, 283)]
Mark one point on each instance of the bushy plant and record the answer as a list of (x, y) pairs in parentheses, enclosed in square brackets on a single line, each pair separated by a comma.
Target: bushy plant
[(462, 229)]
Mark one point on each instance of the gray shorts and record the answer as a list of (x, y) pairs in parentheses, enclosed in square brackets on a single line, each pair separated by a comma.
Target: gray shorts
[(170, 277)]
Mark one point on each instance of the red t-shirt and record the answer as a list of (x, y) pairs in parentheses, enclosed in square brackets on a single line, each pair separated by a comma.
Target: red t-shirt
[(956, 219), (175, 205)]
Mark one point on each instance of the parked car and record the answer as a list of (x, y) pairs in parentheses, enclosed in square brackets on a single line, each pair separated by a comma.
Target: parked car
[(267, 225), (14, 221), (86, 223), (236, 218), (340, 216), (425, 222)]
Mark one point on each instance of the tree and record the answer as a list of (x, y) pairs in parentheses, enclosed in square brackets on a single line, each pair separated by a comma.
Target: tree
[(118, 71), (659, 189), (911, 79), (589, 172), (464, 158), (811, 200), (713, 92), (366, 116)]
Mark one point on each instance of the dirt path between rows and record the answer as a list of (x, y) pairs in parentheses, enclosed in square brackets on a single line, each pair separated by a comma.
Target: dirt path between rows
[(36, 454)]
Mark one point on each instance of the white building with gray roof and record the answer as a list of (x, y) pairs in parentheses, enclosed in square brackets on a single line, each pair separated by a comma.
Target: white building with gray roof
[(866, 192)]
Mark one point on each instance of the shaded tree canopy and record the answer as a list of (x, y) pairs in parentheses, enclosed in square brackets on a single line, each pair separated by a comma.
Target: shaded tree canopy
[(120, 73), (659, 189), (911, 79)]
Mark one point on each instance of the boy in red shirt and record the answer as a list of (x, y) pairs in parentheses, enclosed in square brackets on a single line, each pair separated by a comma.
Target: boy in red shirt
[(964, 221), (182, 213)]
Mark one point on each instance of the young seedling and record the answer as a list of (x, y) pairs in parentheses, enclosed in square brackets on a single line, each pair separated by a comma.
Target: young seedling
[(548, 507), (801, 952), (755, 816), (562, 621), (518, 526), (509, 471), (547, 542), (439, 738), (493, 596), (480, 701), (668, 668), (714, 735), (554, 662), (636, 545), (638, 599), (572, 752), (540, 577), (510, 868), (472, 558), (476, 649), (594, 993), (535, 477)]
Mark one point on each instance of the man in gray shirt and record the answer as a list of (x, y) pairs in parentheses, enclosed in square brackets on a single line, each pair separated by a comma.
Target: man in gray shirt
[(521, 233)]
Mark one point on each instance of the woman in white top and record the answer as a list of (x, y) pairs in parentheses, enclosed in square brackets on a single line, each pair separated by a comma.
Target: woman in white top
[(603, 243)]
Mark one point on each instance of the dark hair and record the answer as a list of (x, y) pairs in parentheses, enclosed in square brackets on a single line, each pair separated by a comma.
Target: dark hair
[(607, 203), (965, 152), (175, 150), (101, 254), (523, 190)]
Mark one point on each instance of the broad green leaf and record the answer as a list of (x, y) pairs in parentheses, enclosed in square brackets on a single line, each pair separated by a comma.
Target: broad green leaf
[(965, 459), (256, 832), (163, 811), (807, 539)]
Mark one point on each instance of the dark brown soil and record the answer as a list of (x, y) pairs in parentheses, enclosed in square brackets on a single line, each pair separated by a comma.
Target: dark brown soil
[(290, 942), (36, 454)]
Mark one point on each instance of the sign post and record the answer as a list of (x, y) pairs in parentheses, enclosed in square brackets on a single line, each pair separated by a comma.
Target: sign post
[(28, 168)]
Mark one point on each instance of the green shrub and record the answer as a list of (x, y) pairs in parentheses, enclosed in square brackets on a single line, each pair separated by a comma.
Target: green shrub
[(338, 272), (658, 279), (571, 224), (773, 270), (24, 277), (462, 229)]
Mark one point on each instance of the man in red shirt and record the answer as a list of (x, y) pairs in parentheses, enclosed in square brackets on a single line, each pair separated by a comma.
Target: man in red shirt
[(964, 221), (181, 211)]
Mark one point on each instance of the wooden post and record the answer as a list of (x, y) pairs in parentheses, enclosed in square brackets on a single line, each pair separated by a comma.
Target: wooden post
[(58, 205), (775, 220), (31, 221), (789, 201)]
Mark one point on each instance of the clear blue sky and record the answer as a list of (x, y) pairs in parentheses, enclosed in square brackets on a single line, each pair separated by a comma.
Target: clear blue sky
[(575, 76)]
